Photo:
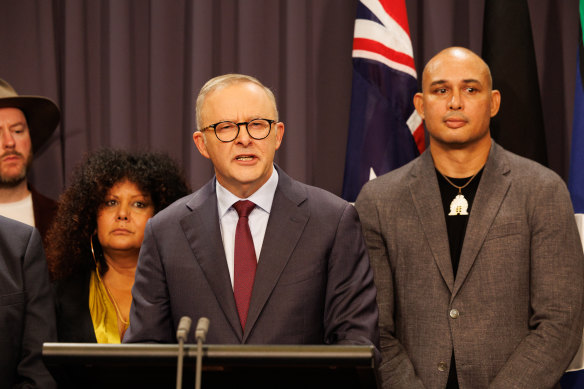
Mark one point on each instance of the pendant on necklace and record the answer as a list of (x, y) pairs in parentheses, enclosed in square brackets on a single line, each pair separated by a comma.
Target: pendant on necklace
[(458, 206)]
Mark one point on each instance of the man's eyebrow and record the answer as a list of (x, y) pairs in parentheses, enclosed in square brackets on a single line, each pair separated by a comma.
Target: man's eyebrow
[(17, 124), (438, 82), (466, 81)]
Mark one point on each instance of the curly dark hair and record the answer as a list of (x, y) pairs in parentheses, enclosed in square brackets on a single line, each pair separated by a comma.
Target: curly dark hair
[(68, 241)]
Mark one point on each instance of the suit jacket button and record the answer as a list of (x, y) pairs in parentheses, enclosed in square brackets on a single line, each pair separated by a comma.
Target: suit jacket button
[(454, 313), (442, 366)]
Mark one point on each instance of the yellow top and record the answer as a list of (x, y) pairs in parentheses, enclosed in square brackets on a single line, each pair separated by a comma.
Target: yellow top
[(103, 312)]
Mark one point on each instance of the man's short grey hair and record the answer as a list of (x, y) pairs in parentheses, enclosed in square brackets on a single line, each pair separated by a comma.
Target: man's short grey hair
[(226, 80)]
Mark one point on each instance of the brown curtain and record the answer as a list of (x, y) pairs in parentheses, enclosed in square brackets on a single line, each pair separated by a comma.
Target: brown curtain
[(126, 72)]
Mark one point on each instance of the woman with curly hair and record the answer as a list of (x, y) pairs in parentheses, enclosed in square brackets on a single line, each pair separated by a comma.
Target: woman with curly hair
[(94, 243)]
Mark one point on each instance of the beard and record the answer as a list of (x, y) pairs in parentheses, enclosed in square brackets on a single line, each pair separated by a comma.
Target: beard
[(13, 180)]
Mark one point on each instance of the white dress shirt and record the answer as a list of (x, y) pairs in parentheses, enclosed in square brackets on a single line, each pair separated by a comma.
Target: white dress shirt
[(258, 218)]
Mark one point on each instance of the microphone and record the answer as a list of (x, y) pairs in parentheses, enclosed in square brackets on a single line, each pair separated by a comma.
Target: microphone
[(202, 329), (184, 326), (200, 335)]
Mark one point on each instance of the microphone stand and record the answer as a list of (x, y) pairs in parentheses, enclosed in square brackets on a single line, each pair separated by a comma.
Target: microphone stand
[(184, 326), (200, 335)]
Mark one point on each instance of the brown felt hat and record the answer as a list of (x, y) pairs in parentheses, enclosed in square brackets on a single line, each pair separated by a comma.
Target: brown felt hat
[(42, 115)]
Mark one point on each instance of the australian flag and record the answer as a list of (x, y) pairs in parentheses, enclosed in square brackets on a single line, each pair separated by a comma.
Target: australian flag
[(385, 131)]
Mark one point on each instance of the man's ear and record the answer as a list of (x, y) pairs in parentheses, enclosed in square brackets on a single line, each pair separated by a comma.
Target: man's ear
[(199, 139), (279, 134), (495, 101), (419, 104)]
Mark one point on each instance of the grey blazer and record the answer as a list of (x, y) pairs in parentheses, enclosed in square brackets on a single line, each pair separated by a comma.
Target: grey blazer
[(513, 316), (27, 310), (313, 284)]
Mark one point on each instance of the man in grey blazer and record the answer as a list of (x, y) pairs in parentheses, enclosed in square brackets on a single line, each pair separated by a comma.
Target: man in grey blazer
[(475, 251), (27, 310), (312, 283)]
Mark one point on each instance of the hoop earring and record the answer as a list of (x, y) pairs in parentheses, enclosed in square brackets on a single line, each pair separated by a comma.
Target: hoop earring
[(93, 253)]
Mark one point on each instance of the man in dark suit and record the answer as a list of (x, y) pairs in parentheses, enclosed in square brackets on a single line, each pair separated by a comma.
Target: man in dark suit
[(27, 311), (26, 123), (476, 255), (309, 280)]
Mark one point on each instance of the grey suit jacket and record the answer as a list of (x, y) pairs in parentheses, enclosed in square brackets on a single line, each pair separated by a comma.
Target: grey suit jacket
[(313, 283), (518, 293), (27, 311)]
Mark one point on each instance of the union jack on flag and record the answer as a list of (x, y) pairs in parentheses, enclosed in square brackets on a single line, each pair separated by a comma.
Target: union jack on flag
[(385, 131)]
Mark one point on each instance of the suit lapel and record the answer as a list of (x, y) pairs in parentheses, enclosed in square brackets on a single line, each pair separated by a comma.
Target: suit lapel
[(492, 189), (426, 197), (285, 225), (202, 230)]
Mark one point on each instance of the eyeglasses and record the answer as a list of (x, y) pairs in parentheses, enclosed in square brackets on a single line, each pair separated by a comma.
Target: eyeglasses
[(227, 131)]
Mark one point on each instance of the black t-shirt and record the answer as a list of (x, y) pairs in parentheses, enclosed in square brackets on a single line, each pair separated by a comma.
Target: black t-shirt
[(456, 225), (456, 228)]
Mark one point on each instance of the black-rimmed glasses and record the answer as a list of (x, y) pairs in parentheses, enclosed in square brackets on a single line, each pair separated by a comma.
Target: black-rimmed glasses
[(227, 131)]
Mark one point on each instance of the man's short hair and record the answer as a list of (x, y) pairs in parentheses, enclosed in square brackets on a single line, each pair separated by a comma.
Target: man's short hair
[(226, 80)]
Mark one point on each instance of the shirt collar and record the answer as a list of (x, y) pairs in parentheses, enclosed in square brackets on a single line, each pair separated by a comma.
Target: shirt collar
[(263, 197)]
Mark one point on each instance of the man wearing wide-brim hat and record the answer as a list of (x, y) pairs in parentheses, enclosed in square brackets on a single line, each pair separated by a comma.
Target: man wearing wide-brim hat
[(26, 123)]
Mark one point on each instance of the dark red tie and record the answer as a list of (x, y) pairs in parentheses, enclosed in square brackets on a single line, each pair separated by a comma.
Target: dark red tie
[(245, 260)]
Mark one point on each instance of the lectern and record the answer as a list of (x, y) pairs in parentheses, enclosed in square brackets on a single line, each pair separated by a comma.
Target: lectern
[(81, 365)]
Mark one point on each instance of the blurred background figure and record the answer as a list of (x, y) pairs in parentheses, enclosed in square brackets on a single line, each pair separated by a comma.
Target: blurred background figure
[(94, 243), (26, 123), (27, 314)]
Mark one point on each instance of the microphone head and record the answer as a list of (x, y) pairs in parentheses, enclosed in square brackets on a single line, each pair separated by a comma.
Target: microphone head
[(184, 326), (202, 329)]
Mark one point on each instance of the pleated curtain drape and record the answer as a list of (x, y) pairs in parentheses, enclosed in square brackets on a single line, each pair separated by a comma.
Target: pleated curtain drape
[(126, 72)]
